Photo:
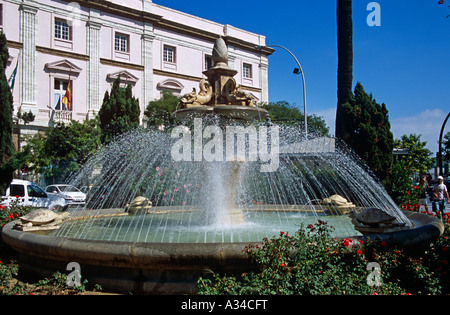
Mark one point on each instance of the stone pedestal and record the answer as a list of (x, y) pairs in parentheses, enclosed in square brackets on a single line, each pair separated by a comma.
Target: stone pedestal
[(219, 77)]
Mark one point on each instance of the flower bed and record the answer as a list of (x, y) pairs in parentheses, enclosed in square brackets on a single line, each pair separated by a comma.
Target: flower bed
[(310, 262)]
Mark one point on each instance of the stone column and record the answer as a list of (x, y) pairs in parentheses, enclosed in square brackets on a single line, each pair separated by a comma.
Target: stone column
[(93, 101), (147, 62), (264, 79), (28, 67)]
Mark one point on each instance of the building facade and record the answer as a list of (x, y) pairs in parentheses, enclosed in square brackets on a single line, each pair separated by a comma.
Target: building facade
[(87, 44)]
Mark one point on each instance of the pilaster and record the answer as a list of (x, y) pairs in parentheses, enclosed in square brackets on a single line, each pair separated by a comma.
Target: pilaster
[(147, 62), (28, 37), (93, 70), (264, 77)]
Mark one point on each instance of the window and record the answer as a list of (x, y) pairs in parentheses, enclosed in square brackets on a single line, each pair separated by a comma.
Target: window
[(247, 71), (169, 54), (122, 43), (59, 90), (63, 30), (17, 190), (209, 62), (36, 191)]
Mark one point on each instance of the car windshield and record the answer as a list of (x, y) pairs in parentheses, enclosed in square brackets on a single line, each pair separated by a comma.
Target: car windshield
[(69, 188), (36, 191)]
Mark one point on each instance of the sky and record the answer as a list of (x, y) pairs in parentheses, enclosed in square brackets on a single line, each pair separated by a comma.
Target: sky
[(404, 62)]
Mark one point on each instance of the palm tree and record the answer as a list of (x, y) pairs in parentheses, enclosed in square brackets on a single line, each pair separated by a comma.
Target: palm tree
[(345, 62)]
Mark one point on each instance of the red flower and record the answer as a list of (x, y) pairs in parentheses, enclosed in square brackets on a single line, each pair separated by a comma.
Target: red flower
[(383, 243), (359, 252), (282, 265), (347, 242)]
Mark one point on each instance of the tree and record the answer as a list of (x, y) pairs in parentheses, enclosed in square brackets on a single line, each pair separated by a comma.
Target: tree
[(119, 112), (159, 112), (419, 158), (64, 149), (9, 159), (345, 63), (284, 113), (369, 131)]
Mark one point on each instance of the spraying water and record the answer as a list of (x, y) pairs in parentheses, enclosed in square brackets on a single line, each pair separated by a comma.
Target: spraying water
[(222, 199)]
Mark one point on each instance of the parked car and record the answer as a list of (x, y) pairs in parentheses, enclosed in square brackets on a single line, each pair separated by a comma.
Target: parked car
[(26, 193), (71, 194)]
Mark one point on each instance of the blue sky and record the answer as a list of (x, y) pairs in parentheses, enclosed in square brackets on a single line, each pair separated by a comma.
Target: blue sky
[(405, 62)]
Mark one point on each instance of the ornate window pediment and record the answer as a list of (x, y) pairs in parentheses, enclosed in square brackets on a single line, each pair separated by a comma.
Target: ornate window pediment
[(170, 84), (125, 77), (63, 66)]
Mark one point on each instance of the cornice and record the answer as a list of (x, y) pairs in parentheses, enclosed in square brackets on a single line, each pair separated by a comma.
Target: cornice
[(159, 21)]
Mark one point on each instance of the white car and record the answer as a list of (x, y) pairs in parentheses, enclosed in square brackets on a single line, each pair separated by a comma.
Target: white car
[(29, 194), (71, 194)]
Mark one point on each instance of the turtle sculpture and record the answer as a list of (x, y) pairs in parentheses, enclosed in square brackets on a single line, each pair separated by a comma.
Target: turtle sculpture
[(374, 220), (139, 205), (338, 205), (41, 219)]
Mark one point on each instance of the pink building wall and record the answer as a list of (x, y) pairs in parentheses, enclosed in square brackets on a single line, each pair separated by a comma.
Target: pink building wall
[(90, 59)]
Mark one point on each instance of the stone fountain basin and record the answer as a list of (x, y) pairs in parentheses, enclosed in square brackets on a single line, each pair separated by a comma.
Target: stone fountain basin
[(163, 268)]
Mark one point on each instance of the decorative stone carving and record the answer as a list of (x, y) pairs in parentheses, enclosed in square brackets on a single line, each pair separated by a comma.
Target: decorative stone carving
[(139, 205), (234, 94), (220, 94), (202, 98), (373, 220), (41, 220), (220, 52)]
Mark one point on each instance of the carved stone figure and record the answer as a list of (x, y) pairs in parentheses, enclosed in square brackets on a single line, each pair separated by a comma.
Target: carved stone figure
[(219, 92), (234, 94), (202, 98), (41, 220)]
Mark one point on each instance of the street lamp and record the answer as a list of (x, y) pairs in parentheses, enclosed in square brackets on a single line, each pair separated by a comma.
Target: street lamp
[(298, 70), (440, 146)]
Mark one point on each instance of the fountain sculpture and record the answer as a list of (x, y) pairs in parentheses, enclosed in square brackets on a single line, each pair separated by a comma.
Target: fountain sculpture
[(164, 207)]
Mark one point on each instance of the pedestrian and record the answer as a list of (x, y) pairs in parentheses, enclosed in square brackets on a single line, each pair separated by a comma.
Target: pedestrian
[(438, 196), (423, 184)]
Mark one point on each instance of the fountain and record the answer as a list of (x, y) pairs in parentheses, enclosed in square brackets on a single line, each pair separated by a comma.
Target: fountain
[(164, 207)]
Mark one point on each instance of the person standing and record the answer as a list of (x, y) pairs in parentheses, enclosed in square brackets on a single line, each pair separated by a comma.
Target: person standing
[(438, 196)]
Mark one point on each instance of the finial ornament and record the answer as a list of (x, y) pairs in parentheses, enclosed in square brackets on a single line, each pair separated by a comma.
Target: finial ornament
[(220, 52)]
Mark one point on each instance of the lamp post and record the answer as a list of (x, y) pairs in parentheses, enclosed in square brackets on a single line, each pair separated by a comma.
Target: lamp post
[(298, 70), (440, 146)]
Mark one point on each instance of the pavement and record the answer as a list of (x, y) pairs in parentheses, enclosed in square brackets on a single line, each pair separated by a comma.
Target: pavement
[(430, 207)]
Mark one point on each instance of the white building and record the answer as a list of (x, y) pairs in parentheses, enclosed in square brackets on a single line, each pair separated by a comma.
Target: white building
[(91, 43)]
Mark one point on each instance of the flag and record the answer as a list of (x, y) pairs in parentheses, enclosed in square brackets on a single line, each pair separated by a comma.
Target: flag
[(67, 99), (12, 78)]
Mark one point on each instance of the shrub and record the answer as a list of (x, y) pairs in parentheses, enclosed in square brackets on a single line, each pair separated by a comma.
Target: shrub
[(311, 262)]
